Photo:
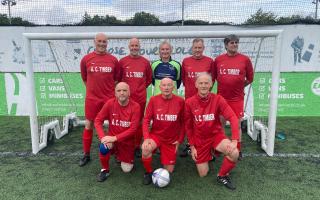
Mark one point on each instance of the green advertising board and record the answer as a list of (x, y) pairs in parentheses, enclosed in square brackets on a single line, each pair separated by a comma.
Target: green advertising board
[(299, 93), (58, 94)]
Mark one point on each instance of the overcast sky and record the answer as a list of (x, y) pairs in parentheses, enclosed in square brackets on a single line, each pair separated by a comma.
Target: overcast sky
[(235, 11)]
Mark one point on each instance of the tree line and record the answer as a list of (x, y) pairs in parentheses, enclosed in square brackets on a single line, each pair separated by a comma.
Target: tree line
[(148, 19)]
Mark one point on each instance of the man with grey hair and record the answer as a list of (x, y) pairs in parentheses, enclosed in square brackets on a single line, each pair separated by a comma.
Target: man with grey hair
[(205, 132), (99, 72), (165, 67), (192, 66)]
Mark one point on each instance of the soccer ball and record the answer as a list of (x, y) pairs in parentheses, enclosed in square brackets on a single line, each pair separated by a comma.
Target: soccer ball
[(161, 177)]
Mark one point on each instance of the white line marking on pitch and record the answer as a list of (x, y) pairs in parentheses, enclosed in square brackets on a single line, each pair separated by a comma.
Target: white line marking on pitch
[(60, 154)]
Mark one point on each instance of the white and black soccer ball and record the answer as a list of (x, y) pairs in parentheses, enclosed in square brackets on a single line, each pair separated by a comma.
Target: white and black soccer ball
[(161, 177)]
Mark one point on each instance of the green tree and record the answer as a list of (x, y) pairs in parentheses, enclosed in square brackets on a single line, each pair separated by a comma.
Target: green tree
[(97, 20), (86, 19), (112, 20), (4, 20), (144, 19), (262, 18), (15, 21), (297, 19)]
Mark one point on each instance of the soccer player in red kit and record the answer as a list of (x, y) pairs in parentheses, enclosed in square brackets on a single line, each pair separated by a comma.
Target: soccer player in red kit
[(233, 71), (191, 67), (166, 111), (205, 132), (136, 71), (99, 72), (194, 65), (123, 115)]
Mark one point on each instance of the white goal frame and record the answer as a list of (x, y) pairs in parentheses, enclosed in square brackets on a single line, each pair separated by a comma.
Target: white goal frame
[(267, 133)]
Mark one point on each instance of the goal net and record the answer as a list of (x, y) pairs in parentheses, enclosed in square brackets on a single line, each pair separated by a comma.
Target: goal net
[(57, 92)]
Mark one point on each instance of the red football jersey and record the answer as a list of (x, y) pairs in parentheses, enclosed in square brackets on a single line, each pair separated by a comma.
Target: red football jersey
[(231, 73), (167, 117), (191, 67), (123, 120), (99, 72), (202, 119), (138, 74)]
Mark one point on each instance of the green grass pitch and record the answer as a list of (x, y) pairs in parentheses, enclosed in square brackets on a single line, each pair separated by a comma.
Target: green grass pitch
[(293, 173)]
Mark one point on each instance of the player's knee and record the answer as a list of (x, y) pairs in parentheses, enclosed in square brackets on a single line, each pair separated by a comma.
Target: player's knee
[(146, 153), (126, 167), (203, 173), (88, 124), (234, 155), (203, 170)]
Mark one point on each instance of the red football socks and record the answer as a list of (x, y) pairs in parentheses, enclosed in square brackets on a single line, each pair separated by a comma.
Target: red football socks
[(104, 160), (239, 146), (226, 167), (147, 163), (87, 140)]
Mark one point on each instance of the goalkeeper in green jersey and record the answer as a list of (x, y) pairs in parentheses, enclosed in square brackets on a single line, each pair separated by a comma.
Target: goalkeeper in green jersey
[(165, 67)]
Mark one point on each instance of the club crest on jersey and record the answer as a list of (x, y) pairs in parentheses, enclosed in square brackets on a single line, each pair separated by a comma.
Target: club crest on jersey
[(193, 74), (104, 69), (121, 123), (204, 118), (134, 74), (166, 117), (230, 71)]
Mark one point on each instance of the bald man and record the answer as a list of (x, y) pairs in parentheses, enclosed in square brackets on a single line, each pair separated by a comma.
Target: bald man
[(205, 132), (136, 71), (123, 115), (99, 72), (166, 112)]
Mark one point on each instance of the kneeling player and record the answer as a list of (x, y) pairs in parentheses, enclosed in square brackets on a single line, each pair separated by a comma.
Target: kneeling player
[(123, 116), (166, 112), (205, 133)]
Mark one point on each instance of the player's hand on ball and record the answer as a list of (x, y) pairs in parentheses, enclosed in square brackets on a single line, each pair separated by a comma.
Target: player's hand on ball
[(109, 145)]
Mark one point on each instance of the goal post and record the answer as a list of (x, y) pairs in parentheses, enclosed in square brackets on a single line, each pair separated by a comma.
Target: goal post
[(266, 128)]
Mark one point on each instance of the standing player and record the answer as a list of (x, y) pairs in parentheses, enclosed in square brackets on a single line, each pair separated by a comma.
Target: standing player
[(99, 72), (136, 72), (123, 116), (166, 112), (233, 71), (165, 67), (194, 65), (204, 130), (191, 67)]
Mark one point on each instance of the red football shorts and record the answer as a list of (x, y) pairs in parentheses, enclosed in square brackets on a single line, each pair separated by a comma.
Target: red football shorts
[(204, 147), (124, 151), (92, 108), (237, 107), (167, 151)]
